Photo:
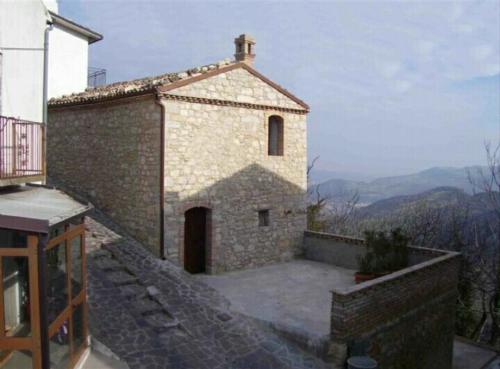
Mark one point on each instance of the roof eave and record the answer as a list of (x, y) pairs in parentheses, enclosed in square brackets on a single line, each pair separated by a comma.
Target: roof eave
[(102, 99), (91, 35), (158, 90)]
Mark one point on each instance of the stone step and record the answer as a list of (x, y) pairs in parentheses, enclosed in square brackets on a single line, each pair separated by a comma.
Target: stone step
[(147, 306), (161, 321), (109, 264), (100, 253), (133, 291), (121, 278)]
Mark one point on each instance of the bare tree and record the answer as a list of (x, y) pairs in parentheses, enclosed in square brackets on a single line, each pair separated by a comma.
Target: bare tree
[(342, 215), (484, 253), (316, 203)]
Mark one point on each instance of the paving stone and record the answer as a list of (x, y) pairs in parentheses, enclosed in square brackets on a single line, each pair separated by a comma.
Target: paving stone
[(108, 264), (193, 330), (133, 291), (153, 291), (224, 317), (147, 306)]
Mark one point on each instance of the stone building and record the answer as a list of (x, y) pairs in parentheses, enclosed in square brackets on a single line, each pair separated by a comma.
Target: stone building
[(205, 166)]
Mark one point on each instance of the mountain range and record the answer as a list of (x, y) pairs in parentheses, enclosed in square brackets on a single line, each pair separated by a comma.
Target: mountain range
[(341, 190)]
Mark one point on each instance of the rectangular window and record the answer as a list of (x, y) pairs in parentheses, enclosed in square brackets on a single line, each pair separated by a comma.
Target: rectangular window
[(76, 266), (263, 218), (57, 281), (275, 136), (16, 296)]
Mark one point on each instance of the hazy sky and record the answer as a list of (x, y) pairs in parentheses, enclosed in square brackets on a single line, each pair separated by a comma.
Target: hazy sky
[(394, 87)]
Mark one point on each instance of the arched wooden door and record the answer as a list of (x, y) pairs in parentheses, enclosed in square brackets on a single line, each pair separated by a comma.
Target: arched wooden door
[(195, 239)]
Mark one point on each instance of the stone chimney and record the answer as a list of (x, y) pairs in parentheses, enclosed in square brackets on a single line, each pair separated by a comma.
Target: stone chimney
[(245, 45)]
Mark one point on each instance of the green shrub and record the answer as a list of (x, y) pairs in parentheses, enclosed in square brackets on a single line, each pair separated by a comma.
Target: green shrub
[(385, 253)]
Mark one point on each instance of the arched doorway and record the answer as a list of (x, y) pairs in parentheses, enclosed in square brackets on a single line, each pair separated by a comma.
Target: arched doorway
[(196, 239)]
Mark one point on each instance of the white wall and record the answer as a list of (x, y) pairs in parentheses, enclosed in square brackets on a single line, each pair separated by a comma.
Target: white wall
[(22, 25), (68, 62), (52, 5)]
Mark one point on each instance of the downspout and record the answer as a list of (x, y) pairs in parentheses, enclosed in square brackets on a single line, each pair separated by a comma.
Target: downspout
[(162, 174), (45, 95)]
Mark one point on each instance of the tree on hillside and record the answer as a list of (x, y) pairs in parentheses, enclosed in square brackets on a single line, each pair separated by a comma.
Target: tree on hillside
[(484, 272), (325, 214), (315, 203)]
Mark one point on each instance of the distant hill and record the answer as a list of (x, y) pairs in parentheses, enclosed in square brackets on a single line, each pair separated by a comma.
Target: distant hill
[(382, 188), (480, 215), (438, 197), (321, 175)]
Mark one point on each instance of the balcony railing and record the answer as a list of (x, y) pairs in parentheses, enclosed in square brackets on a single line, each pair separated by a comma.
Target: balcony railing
[(96, 77), (22, 151)]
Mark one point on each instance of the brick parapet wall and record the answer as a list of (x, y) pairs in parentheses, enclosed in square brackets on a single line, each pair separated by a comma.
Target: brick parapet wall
[(406, 318), (362, 308)]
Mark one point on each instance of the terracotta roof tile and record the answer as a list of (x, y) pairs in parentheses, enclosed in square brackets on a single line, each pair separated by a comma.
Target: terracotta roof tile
[(135, 86)]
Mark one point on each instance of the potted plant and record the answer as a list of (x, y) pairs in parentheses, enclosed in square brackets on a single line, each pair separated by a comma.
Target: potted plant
[(385, 253)]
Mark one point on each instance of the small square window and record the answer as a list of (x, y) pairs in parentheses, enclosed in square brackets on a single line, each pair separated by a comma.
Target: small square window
[(263, 218)]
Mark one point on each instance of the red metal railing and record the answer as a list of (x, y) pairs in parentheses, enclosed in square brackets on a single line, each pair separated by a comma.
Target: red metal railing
[(21, 148)]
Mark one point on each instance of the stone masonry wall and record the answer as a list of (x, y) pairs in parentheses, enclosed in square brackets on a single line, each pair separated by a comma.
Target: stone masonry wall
[(216, 157), (110, 154)]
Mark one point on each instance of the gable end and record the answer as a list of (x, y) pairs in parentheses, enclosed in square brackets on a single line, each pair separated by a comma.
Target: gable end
[(199, 87)]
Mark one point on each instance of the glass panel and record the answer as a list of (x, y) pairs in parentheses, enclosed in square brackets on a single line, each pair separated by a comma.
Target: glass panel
[(59, 348), (76, 266), (57, 283), (78, 330), (273, 137), (16, 360), (16, 296), (10, 238)]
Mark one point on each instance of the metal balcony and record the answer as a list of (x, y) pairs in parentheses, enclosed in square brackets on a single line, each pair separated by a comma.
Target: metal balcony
[(22, 153)]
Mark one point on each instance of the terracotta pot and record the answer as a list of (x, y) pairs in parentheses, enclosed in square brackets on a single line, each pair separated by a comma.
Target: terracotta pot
[(363, 277)]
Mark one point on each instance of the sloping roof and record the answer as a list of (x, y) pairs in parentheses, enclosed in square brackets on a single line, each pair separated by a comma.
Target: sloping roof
[(37, 206), (162, 83), (92, 36)]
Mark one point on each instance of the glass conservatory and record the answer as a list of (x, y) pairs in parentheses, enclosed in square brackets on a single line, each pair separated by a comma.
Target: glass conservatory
[(43, 316)]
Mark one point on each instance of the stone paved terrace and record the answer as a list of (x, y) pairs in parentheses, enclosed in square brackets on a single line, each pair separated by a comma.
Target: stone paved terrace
[(293, 296), (153, 315), (470, 355)]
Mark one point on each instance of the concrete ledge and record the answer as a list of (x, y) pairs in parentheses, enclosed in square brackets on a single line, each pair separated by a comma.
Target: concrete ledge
[(21, 180)]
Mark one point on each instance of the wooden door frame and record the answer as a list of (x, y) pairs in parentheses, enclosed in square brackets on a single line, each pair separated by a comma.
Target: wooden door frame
[(208, 238), (72, 302), (33, 343)]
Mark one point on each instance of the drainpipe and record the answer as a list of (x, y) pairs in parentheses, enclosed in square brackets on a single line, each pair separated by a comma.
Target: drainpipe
[(45, 95), (159, 102)]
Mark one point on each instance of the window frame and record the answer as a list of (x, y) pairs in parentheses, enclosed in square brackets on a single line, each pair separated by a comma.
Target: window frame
[(280, 144), (264, 218)]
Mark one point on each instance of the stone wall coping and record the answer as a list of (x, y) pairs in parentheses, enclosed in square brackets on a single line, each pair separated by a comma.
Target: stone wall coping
[(441, 256), (394, 277)]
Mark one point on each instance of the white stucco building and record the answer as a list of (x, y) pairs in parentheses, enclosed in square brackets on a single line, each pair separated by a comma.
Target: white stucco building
[(22, 31)]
